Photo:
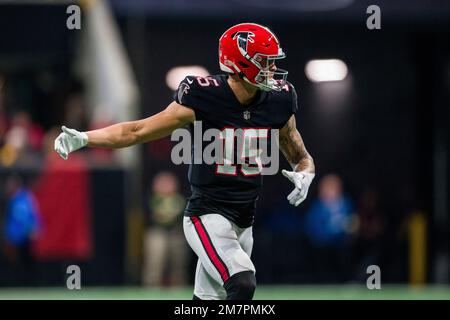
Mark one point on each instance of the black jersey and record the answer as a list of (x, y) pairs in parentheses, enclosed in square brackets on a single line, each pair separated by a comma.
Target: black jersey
[(230, 190)]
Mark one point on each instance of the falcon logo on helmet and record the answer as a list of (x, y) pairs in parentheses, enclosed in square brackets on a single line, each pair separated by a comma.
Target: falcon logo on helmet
[(242, 40), (250, 51)]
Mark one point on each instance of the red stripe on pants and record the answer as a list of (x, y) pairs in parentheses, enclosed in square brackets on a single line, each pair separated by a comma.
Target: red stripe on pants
[(210, 251)]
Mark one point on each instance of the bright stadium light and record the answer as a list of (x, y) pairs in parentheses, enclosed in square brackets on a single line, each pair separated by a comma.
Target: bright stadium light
[(176, 75), (326, 70)]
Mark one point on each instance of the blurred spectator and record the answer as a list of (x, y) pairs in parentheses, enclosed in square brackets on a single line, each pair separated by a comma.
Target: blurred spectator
[(164, 243), (22, 227), (22, 138), (330, 225)]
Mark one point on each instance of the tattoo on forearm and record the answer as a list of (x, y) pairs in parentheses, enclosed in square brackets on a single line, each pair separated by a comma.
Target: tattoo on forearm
[(293, 147)]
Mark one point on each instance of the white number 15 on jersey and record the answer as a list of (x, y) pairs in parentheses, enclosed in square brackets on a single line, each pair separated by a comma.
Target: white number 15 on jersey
[(249, 151)]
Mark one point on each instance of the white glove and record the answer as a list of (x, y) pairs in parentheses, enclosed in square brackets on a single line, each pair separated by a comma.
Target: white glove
[(70, 140), (301, 180)]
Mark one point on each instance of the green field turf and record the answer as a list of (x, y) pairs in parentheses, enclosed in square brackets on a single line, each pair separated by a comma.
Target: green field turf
[(298, 292)]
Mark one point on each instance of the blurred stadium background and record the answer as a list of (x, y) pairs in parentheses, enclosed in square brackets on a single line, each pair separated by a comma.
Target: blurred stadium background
[(374, 113)]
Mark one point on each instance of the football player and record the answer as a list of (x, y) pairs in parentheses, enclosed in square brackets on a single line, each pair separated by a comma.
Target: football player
[(252, 93)]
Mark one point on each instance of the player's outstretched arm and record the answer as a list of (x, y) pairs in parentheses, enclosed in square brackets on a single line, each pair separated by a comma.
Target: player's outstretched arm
[(293, 148), (126, 134)]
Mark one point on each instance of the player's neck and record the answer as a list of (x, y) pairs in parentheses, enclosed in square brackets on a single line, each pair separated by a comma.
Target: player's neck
[(244, 92)]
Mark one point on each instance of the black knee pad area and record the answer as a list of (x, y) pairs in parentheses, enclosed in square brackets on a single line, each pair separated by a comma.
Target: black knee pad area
[(241, 286)]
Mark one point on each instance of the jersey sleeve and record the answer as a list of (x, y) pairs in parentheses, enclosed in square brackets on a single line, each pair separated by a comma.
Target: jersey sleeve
[(188, 93), (288, 99), (294, 99)]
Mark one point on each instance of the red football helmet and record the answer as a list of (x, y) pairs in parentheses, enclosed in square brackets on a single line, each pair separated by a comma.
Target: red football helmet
[(250, 51)]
